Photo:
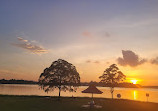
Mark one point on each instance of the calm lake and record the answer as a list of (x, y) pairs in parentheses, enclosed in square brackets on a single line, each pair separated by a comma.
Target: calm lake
[(138, 94)]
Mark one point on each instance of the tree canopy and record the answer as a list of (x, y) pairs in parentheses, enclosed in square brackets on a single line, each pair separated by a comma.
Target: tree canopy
[(62, 75), (112, 76)]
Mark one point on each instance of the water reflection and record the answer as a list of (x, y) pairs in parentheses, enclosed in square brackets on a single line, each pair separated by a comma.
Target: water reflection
[(126, 93), (135, 95)]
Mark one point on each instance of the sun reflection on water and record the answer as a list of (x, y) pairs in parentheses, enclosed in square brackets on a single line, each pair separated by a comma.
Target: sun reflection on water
[(135, 94)]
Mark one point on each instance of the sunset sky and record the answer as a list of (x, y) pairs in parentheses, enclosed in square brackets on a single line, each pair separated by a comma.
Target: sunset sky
[(90, 34)]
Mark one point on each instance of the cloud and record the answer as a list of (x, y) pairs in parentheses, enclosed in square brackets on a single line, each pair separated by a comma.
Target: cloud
[(87, 34), (21, 39), (3, 71), (154, 61), (90, 61), (107, 62), (96, 62), (130, 58), (25, 44), (107, 34)]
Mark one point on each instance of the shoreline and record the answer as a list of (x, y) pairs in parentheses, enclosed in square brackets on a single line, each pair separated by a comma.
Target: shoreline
[(37, 96)]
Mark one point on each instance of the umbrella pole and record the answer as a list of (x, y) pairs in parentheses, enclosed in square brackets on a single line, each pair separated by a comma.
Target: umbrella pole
[(92, 96)]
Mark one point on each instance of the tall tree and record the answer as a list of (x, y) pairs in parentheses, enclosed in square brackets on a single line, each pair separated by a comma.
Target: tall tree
[(112, 76), (61, 75)]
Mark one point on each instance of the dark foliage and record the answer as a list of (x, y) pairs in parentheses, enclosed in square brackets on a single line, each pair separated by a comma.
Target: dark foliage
[(14, 81), (61, 75), (112, 76)]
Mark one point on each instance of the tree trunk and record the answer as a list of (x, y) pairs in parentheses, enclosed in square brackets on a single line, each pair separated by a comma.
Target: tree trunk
[(59, 93), (112, 90), (112, 94)]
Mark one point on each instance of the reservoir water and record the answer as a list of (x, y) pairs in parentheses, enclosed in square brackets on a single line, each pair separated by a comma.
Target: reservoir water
[(138, 94)]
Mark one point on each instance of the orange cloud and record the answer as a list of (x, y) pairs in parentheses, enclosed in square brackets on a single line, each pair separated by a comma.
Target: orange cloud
[(90, 61), (29, 46), (97, 62), (21, 39), (87, 34)]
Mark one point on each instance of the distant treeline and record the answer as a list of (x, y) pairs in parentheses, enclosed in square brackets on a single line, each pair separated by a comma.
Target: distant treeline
[(155, 87), (14, 81), (126, 85)]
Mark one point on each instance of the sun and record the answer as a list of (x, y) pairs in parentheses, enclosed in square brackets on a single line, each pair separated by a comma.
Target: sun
[(134, 81)]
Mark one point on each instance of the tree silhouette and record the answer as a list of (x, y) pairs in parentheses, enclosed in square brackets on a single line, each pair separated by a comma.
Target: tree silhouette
[(112, 76), (61, 75)]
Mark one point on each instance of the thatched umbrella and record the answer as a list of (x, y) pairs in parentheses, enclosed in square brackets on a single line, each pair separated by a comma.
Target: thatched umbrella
[(92, 89)]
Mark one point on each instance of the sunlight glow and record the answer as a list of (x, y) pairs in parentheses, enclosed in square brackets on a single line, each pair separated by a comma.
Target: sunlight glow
[(134, 81)]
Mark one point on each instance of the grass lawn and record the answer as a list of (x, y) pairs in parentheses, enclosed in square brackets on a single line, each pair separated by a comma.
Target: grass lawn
[(37, 103)]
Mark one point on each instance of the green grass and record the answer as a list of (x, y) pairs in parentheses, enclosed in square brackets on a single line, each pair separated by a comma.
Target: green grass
[(37, 103)]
